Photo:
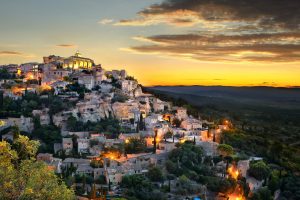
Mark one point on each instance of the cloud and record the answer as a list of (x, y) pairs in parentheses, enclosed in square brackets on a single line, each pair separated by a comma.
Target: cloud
[(105, 21), (264, 47), (66, 45), (176, 18), (256, 30), (15, 54), (267, 13), (10, 53)]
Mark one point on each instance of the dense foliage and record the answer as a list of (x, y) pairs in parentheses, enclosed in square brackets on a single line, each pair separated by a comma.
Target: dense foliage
[(135, 145), (32, 101), (139, 187), (22, 177), (4, 74), (266, 125), (259, 170)]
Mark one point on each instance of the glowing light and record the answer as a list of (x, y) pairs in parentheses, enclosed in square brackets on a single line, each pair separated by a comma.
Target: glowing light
[(233, 172), (235, 197), (2, 123), (19, 72), (182, 141), (157, 140), (111, 155), (126, 141), (226, 122), (29, 76), (167, 117), (18, 89), (45, 87)]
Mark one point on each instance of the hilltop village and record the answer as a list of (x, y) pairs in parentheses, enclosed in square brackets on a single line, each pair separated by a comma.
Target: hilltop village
[(106, 138)]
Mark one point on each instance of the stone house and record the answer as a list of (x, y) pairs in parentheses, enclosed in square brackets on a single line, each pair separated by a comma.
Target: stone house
[(67, 144), (191, 124), (83, 145)]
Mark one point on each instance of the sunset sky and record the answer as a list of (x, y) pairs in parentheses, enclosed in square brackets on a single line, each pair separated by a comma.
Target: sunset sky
[(162, 42)]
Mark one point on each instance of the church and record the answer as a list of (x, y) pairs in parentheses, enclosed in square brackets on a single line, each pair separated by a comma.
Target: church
[(78, 62), (75, 62)]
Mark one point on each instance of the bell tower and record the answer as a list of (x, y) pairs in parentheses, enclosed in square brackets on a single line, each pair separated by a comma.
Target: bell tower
[(77, 54)]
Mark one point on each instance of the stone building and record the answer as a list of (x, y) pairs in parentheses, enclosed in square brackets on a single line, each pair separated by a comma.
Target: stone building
[(78, 62), (67, 144), (75, 62)]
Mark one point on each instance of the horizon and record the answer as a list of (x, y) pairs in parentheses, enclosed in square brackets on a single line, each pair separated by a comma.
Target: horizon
[(242, 86), (162, 42)]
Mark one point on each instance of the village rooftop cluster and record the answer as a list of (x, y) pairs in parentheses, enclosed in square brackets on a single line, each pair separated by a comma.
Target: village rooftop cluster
[(97, 95)]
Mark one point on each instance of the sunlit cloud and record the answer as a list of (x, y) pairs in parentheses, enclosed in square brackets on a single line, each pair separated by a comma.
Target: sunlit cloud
[(176, 18), (233, 31), (267, 12), (105, 21), (280, 47), (10, 53), (66, 45), (16, 54)]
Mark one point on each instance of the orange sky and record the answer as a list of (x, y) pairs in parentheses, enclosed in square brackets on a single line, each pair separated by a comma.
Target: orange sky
[(159, 42)]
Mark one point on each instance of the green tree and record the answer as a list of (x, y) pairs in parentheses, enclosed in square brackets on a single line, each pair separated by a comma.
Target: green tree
[(141, 123), (226, 151), (259, 170), (155, 174), (275, 151), (72, 123), (262, 194), (16, 131), (26, 149), (24, 178), (48, 135), (135, 145)]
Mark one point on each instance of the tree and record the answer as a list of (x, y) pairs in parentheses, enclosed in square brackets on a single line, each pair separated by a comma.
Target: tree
[(154, 141), (226, 152), (262, 194), (24, 178), (259, 170), (26, 149), (135, 145), (275, 151), (56, 105), (48, 135), (72, 123), (155, 174), (139, 187), (101, 179), (187, 186), (141, 124), (274, 181), (16, 131)]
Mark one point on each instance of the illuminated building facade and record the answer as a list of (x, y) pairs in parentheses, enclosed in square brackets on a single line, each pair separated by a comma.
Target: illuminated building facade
[(75, 62), (78, 62)]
